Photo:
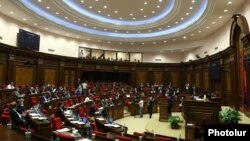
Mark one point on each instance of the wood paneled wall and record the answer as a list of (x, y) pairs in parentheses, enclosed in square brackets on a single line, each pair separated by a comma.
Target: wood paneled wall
[(24, 75), (2, 74), (50, 76)]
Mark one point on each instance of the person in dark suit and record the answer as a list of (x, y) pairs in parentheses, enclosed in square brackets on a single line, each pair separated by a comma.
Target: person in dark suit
[(44, 98), (60, 111), (92, 109), (170, 104), (150, 106), (16, 117)]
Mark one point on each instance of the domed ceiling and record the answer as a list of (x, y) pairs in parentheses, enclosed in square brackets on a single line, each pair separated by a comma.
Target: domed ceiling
[(126, 23)]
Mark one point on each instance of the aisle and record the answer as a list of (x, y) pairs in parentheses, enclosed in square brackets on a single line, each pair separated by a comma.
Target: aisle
[(152, 125)]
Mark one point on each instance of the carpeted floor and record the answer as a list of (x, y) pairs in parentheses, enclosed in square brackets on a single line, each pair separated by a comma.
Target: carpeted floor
[(154, 126)]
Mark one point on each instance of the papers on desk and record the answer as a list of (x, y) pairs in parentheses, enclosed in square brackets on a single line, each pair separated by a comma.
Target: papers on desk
[(112, 125), (100, 118), (63, 130), (77, 122), (34, 117), (71, 118), (42, 118), (34, 114)]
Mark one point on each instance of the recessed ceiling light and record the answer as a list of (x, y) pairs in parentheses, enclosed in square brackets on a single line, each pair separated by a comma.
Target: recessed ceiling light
[(127, 32), (191, 7), (116, 11), (66, 17), (105, 6), (174, 39), (35, 23), (141, 9), (46, 28), (193, 1), (11, 12), (88, 39), (213, 22), (82, 1), (99, 11), (159, 28), (149, 30), (160, 0), (67, 34), (192, 34), (225, 10), (138, 31), (84, 24), (105, 29), (182, 18), (24, 19), (75, 21), (176, 22), (145, 16), (90, 7), (109, 42), (220, 17), (99, 41), (120, 43), (120, 18), (57, 13), (187, 13), (145, 3), (132, 43), (39, 0), (142, 43), (108, 15), (57, 31), (165, 41), (96, 0), (158, 6), (0, 5), (94, 27), (48, 7), (134, 18), (115, 30), (229, 2), (207, 27), (154, 42), (184, 37), (153, 12), (77, 37), (199, 31), (169, 25), (131, 14)]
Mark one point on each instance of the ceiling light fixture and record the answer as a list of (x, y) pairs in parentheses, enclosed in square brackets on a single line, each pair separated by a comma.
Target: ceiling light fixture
[(99, 11), (225, 10), (229, 2), (11, 12), (116, 11), (90, 7), (57, 13), (48, 7), (39, 0), (220, 17), (141, 9), (35, 24), (105, 6), (145, 3)]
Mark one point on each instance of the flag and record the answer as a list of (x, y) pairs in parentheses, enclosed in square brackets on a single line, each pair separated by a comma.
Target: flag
[(244, 84)]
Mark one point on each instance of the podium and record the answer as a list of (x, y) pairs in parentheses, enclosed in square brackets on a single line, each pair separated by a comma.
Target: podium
[(163, 116)]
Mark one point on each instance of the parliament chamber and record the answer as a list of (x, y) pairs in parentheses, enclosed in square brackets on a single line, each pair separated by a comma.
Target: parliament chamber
[(112, 70)]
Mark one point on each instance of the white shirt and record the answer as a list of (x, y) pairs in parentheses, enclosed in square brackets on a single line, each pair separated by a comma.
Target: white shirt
[(10, 86), (141, 103)]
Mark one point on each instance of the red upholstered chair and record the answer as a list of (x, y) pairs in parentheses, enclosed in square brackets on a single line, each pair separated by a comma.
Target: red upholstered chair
[(100, 133), (65, 137), (71, 102), (5, 117), (55, 112), (57, 123), (81, 111), (138, 134), (123, 138), (66, 103), (162, 138), (34, 100)]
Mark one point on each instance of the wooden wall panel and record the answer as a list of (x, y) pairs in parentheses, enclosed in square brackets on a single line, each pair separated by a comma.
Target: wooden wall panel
[(188, 78), (174, 78), (24, 75), (50, 76), (227, 81), (66, 77), (158, 77), (141, 77), (2, 74), (206, 80), (197, 79)]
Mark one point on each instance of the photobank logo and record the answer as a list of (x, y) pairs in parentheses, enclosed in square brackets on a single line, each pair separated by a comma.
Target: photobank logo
[(236, 131)]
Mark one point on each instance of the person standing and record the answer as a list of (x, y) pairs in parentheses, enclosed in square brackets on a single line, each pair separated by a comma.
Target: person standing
[(170, 104), (150, 106), (141, 102)]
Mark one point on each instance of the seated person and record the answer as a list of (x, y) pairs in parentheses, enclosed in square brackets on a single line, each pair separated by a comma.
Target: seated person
[(60, 111), (16, 117), (92, 109)]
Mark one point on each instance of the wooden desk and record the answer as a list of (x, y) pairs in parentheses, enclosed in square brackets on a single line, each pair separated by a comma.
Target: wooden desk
[(42, 127), (163, 112)]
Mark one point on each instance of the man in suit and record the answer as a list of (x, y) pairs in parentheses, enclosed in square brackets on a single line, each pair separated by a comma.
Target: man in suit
[(60, 111), (16, 117)]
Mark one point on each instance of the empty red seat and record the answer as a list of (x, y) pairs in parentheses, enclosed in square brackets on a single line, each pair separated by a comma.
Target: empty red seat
[(123, 138), (57, 123), (65, 137)]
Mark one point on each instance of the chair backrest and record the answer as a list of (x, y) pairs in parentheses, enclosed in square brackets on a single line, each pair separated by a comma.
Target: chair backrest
[(66, 103), (57, 123), (65, 137), (123, 138), (71, 102), (34, 100)]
